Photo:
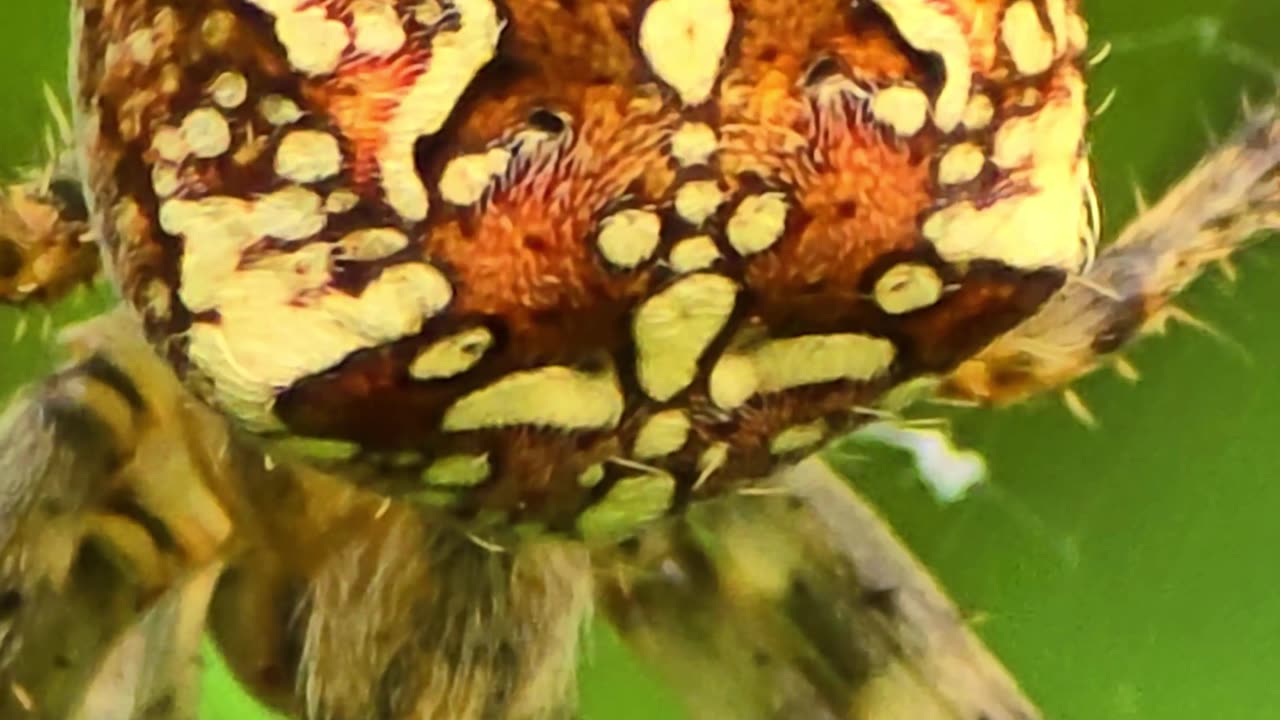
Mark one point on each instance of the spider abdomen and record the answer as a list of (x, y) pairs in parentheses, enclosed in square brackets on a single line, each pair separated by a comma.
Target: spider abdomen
[(575, 264)]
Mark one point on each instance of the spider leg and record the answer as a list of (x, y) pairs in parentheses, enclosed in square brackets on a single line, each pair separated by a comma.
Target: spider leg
[(108, 545), (343, 603), (416, 621), (1231, 197), (46, 249), (804, 605)]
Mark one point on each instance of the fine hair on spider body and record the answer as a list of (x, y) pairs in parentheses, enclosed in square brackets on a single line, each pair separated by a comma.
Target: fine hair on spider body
[(446, 327)]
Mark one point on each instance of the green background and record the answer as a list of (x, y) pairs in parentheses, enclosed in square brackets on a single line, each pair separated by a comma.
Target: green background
[(1127, 572)]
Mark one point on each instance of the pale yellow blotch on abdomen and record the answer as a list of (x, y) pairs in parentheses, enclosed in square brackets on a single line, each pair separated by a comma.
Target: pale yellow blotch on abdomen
[(979, 113), (928, 29), (229, 90), (552, 397), (341, 201), (790, 363), (698, 200), (961, 164), (694, 144), (370, 244), (902, 107), (661, 435), (458, 471), (377, 28), (456, 56), (453, 355), (907, 287), (1030, 46), (316, 449), (1039, 223), (673, 329), (758, 223), (799, 438), (170, 145), (733, 381), (694, 254), (313, 42), (631, 503), (466, 179), (279, 319), (684, 42), (206, 133), (308, 156), (279, 110), (629, 237)]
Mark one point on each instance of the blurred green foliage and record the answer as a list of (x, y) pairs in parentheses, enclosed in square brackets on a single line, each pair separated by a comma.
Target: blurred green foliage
[(1128, 572)]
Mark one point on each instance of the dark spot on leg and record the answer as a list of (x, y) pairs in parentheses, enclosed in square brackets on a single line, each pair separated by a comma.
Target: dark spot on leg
[(11, 259), (69, 196), (883, 601), (10, 603)]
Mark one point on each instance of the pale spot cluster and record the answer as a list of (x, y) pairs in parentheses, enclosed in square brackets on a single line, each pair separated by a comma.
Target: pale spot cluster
[(279, 318), (1040, 217), (457, 54)]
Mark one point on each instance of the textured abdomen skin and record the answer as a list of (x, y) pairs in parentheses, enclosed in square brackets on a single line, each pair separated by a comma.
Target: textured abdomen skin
[(576, 264)]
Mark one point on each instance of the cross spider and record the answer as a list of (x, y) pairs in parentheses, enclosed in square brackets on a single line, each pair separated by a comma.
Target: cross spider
[(446, 321)]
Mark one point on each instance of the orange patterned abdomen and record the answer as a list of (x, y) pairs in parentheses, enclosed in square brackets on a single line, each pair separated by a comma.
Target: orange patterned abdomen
[(579, 263)]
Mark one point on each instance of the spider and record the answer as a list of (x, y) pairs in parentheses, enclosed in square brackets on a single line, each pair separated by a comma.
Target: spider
[(445, 321)]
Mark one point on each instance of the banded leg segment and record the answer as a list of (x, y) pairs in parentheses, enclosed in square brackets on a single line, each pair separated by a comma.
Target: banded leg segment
[(800, 603), (105, 531), (1231, 197)]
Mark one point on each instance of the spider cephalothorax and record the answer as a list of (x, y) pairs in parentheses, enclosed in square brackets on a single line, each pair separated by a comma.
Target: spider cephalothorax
[(579, 262)]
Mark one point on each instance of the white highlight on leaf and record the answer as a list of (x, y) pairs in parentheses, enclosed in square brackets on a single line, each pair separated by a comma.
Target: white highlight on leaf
[(946, 470)]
